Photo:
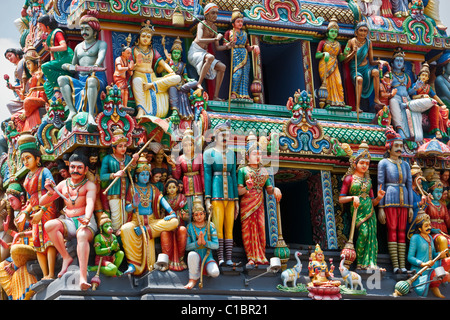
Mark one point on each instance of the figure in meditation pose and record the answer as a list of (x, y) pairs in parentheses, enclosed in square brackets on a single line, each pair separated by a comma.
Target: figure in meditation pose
[(329, 52), (202, 239), (253, 179), (207, 66), (357, 188), (396, 207), (241, 62), (151, 92), (359, 55), (319, 273), (78, 220), (138, 236), (83, 94)]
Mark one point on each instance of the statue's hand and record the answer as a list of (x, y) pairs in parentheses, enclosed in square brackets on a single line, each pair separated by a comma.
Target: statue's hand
[(381, 216)]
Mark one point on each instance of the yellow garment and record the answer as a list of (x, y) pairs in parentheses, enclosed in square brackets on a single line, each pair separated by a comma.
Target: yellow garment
[(223, 218), (17, 286)]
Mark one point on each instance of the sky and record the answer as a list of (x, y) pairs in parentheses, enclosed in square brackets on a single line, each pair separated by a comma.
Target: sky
[(9, 37)]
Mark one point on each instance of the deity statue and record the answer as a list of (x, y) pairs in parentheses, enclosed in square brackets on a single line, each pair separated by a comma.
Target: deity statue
[(145, 202), (83, 93), (112, 167), (359, 54), (179, 94), (221, 194), (60, 53), (241, 61), (387, 92), (421, 254), (34, 100), (438, 113), (406, 113), (151, 92), (189, 169), (357, 188), (207, 66), (34, 185), (78, 220), (21, 75), (329, 52), (202, 239), (419, 195), (15, 279), (124, 67), (396, 207), (319, 273), (252, 180), (173, 243), (442, 81)]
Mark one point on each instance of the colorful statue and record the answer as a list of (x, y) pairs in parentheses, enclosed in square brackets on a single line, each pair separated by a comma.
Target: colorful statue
[(124, 67), (387, 92), (357, 188), (207, 66), (35, 99), (319, 273), (151, 92), (359, 54), (253, 179), (221, 194), (370, 7), (108, 254), (79, 221), (400, 8), (189, 169), (329, 52), (173, 243), (421, 254), (240, 53), (406, 113), (21, 75), (83, 93), (112, 167), (419, 195), (34, 185), (441, 83), (138, 236), (438, 113), (202, 239), (60, 53), (396, 207)]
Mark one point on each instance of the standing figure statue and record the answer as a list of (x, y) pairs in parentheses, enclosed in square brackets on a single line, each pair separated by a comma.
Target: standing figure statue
[(359, 54), (78, 220), (83, 93), (60, 53), (221, 194), (151, 92), (145, 202), (113, 166), (124, 67), (207, 66), (34, 185), (396, 207), (253, 179), (241, 60), (329, 52), (21, 76), (442, 81), (357, 188)]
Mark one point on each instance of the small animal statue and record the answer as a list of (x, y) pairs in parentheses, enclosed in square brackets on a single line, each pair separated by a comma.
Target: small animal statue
[(292, 274), (351, 278)]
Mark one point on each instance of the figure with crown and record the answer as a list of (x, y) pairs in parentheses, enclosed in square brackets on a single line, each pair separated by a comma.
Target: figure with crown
[(396, 207), (112, 167), (357, 188), (145, 202), (253, 179), (151, 92)]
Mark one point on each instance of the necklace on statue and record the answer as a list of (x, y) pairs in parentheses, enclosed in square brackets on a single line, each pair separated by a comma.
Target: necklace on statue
[(87, 49), (73, 187)]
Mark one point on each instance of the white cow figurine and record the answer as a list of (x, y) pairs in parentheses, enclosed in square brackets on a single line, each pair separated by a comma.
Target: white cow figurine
[(292, 274), (351, 278)]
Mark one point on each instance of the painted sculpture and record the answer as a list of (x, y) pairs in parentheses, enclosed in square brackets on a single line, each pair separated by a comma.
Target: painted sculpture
[(124, 67), (21, 76)]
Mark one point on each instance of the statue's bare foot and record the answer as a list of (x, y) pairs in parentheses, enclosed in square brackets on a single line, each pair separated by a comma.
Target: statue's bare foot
[(65, 265), (85, 286), (191, 284), (218, 99), (48, 277)]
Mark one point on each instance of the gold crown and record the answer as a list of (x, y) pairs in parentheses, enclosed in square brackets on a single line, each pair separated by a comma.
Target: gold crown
[(333, 24), (143, 165), (118, 137), (146, 26), (177, 45), (236, 14), (197, 205), (415, 169), (399, 53)]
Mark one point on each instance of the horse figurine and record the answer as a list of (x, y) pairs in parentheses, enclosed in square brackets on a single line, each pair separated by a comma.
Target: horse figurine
[(351, 278), (292, 274)]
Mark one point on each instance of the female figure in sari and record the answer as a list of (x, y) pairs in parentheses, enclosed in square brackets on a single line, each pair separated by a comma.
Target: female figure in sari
[(34, 186), (357, 188), (329, 53), (173, 243), (252, 180), (241, 62)]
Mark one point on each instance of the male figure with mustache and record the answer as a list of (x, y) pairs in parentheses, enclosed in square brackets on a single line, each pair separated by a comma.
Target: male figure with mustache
[(396, 207), (78, 221)]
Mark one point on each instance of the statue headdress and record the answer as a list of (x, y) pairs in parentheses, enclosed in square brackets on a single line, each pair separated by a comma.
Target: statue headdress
[(236, 14), (222, 127), (147, 26), (435, 182), (177, 45), (398, 53), (197, 205), (27, 143), (91, 19), (392, 136), (415, 169), (118, 137), (143, 165), (188, 135), (333, 24), (209, 7), (425, 68), (362, 153), (15, 189), (31, 54)]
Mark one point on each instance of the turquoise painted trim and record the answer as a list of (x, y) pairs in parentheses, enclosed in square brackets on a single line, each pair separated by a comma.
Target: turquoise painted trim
[(328, 208)]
